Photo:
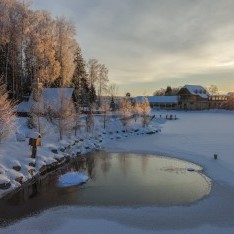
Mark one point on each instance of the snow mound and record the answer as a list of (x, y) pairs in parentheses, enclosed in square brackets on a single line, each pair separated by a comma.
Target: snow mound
[(72, 178), (4, 179)]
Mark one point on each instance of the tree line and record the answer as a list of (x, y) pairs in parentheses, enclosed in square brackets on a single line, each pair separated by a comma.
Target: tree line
[(34, 45)]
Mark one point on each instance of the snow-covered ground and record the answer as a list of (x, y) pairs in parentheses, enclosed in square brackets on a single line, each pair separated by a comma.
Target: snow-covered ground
[(196, 137)]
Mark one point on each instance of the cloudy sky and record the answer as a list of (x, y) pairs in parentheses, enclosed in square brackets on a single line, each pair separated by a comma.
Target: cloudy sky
[(149, 44)]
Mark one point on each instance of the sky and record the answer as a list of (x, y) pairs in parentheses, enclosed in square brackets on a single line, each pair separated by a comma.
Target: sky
[(150, 44)]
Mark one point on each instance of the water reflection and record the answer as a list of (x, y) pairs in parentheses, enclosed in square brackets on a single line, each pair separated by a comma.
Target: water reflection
[(105, 161), (144, 163), (115, 180), (125, 163)]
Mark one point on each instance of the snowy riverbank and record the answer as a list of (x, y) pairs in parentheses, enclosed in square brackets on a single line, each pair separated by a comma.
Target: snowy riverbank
[(17, 166)]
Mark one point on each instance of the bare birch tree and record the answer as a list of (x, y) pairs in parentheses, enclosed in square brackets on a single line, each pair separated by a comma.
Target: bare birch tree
[(102, 82), (93, 71), (105, 107), (64, 113), (213, 89), (144, 110), (37, 111), (7, 115)]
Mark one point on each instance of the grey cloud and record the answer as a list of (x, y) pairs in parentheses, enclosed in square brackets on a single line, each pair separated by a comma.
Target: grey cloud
[(140, 40)]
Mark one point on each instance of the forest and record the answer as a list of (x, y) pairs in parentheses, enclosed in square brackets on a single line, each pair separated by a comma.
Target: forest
[(36, 46)]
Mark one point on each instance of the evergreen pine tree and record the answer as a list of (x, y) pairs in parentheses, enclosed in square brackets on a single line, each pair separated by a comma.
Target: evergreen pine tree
[(112, 104), (92, 94)]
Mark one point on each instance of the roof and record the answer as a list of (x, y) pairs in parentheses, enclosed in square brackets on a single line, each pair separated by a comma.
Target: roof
[(197, 90), (34, 135), (48, 97), (159, 99), (23, 107), (51, 94), (230, 94)]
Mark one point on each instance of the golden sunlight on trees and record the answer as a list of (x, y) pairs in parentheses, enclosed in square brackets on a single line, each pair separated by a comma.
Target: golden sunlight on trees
[(125, 111), (66, 47), (41, 48), (144, 110), (36, 46)]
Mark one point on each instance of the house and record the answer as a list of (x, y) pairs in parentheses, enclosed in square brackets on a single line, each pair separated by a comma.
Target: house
[(193, 97), (161, 102), (44, 99)]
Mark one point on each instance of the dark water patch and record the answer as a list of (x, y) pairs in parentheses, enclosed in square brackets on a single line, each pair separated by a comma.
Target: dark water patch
[(115, 180)]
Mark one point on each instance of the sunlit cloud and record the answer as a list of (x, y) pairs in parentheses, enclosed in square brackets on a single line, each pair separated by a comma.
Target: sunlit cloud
[(227, 64)]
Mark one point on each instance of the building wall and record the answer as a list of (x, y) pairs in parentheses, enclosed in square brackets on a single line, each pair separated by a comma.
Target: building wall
[(188, 101), (197, 105), (164, 106), (218, 101)]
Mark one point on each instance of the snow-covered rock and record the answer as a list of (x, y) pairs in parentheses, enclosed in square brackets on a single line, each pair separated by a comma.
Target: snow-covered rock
[(71, 179), (15, 164), (5, 183)]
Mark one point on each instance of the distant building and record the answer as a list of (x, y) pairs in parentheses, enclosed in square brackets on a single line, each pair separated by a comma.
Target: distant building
[(193, 97), (230, 94), (161, 102)]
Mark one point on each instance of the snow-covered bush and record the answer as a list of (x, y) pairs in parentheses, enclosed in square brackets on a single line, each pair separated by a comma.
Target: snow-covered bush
[(126, 111)]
